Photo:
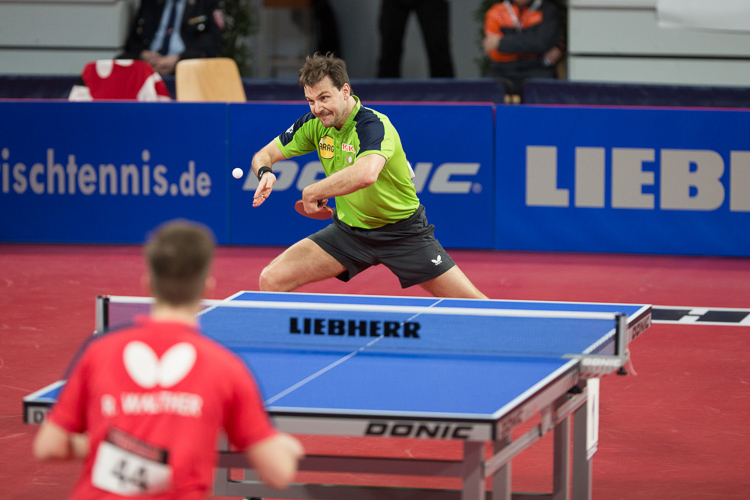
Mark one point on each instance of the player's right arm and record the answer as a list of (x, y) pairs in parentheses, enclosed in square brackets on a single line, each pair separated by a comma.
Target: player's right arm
[(296, 140), (266, 157), (52, 442), (273, 454), (62, 435), (275, 459)]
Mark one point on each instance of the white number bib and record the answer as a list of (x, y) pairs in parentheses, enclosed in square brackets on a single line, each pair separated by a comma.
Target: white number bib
[(129, 473)]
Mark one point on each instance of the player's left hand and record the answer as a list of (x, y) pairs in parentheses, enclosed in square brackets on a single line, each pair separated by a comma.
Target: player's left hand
[(552, 56), (316, 208), (265, 186), (165, 65), (490, 42)]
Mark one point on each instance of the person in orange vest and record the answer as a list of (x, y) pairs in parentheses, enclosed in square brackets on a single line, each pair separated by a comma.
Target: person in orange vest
[(523, 39)]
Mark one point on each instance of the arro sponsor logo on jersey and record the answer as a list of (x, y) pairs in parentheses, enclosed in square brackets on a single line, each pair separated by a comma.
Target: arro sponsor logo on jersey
[(325, 146), (444, 178), (347, 147)]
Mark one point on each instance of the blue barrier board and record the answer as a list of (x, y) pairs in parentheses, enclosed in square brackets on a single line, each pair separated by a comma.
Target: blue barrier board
[(636, 180), (542, 178), (110, 172)]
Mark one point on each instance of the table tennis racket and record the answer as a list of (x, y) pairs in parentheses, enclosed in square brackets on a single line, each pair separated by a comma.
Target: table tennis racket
[(325, 213)]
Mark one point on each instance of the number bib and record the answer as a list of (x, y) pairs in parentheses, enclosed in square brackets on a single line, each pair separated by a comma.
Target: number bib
[(129, 467)]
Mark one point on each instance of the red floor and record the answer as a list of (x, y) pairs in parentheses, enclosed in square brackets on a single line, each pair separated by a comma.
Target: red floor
[(678, 430)]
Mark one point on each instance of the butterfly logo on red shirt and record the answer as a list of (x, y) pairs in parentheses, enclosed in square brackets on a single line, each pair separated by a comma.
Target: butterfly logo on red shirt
[(148, 370)]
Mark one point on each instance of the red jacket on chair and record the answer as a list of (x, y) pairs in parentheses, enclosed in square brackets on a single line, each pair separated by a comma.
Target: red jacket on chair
[(119, 79)]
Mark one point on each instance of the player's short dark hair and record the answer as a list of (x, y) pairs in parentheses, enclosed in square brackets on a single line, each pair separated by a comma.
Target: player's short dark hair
[(179, 254), (319, 66)]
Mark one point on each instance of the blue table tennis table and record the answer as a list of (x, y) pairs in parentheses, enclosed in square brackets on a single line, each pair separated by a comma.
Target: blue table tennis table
[(414, 367)]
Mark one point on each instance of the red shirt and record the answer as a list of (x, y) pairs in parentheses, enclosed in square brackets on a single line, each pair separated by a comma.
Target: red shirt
[(120, 79), (157, 393), (504, 15)]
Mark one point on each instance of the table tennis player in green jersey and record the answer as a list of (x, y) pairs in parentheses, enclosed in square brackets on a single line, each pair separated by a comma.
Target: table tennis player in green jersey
[(378, 218)]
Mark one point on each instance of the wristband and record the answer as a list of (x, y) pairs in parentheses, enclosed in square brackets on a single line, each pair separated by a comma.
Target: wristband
[(263, 170)]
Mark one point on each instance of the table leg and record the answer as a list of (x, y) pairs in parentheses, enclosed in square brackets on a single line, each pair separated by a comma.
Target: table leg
[(581, 465), (221, 474), (501, 480), (561, 464), (473, 477)]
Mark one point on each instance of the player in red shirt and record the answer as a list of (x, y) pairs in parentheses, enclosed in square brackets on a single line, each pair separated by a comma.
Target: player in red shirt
[(152, 398)]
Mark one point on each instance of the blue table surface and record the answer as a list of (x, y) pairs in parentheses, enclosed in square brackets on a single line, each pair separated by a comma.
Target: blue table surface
[(455, 374), (453, 370)]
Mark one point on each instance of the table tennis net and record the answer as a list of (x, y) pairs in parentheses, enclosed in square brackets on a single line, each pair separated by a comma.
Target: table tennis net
[(407, 330)]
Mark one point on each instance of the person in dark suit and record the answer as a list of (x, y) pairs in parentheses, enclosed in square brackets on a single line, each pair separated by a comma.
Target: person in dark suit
[(166, 31)]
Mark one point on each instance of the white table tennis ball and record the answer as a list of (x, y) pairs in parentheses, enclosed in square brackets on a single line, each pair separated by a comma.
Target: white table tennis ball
[(237, 173)]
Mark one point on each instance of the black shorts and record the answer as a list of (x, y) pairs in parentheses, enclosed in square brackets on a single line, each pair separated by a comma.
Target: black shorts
[(408, 248)]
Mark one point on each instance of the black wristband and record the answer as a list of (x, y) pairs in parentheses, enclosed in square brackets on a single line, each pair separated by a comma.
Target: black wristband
[(263, 170)]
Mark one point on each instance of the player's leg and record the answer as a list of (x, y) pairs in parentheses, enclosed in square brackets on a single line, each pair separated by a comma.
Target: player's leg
[(394, 15), (434, 20), (410, 249), (302, 263), (453, 283)]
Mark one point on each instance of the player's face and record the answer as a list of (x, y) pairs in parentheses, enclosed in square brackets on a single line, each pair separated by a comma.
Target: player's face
[(328, 103)]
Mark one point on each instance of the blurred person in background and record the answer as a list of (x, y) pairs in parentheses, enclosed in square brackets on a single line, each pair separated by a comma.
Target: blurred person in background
[(523, 39), (166, 31), (434, 21)]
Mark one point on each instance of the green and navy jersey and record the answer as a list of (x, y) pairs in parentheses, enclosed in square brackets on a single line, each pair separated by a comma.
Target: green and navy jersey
[(392, 197)]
